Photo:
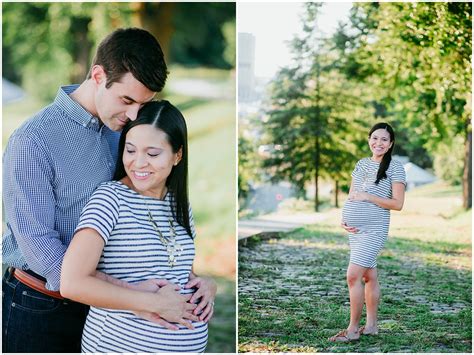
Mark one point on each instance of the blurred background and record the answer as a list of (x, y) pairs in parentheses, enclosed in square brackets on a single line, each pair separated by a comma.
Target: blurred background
[(309, 94), (46, 45)]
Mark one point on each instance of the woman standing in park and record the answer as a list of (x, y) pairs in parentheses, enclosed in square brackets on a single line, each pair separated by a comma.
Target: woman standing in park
[(138, 229), (378, 186)]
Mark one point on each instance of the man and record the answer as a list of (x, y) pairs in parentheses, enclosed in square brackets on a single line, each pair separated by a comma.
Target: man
[(52, 165)]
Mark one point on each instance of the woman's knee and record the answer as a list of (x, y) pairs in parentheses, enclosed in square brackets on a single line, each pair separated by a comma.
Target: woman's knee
[(370, 276), (353, 277)]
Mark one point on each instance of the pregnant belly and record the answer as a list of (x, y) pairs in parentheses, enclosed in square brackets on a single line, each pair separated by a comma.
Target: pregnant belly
[(363, 214)]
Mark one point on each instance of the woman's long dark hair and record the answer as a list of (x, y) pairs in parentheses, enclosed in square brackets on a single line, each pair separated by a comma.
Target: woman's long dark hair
[(167, 118), (387, 158)]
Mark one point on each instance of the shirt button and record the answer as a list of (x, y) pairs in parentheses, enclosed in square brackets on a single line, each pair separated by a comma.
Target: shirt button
[(93, 120)]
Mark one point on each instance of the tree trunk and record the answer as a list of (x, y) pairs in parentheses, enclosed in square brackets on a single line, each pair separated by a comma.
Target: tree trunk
[(336, 193), (157, 17), (316, 176), (82, 47), (467, 176)]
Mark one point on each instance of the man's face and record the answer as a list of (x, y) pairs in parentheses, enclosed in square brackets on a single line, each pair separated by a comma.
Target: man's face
[(120, 103)]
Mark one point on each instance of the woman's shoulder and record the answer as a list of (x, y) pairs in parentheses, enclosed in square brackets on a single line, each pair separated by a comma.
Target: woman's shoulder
[(396, 164), (112, 189), (363, 162)]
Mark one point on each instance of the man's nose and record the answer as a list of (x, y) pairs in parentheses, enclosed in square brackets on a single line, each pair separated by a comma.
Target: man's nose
[(132, 111)]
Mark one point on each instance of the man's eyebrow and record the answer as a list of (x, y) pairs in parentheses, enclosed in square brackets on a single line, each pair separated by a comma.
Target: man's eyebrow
[(126, 97)]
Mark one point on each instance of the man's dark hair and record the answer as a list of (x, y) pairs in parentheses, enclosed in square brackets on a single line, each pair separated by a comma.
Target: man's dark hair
[(132, 50)]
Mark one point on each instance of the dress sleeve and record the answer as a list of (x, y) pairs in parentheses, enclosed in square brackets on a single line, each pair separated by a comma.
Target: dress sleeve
[(357, 168), (101, 212), (398, 173)]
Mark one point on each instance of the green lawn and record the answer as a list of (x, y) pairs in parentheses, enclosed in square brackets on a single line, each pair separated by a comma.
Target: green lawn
[(293, 294)]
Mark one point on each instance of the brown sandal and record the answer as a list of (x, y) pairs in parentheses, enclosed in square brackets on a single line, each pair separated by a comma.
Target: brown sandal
[(342, 337), (361, 332)]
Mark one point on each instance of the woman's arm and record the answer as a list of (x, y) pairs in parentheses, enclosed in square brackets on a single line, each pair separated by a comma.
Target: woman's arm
[(343, 224), (79, 283), (394, 203)]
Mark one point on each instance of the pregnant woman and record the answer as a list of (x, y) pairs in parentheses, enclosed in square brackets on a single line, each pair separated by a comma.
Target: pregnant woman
[(378, 186), (138, 229)]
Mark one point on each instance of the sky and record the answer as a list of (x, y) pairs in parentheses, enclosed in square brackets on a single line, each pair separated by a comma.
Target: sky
[(274, 23)]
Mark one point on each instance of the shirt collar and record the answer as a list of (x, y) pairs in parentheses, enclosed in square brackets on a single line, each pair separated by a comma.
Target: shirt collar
[(73, 110)]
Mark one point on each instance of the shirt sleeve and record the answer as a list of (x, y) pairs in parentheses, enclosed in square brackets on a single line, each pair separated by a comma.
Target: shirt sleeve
[(29, 200), (101, 211), (398, 173)]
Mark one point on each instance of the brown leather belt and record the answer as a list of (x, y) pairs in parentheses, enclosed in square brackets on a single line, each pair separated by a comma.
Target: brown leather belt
[(34, 283)]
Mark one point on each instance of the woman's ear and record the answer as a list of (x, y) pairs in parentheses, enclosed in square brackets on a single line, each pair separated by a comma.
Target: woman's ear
[(179, 156)]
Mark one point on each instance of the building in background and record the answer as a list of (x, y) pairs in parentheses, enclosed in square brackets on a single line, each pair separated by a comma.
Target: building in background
[(246, 67)]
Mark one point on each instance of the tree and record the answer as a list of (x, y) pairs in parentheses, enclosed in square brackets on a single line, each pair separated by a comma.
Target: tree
[(312, 122), (417, 57), (49, 44)]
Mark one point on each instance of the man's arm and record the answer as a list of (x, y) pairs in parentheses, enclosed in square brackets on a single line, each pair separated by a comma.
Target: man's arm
[(206, 292), (29, 201)]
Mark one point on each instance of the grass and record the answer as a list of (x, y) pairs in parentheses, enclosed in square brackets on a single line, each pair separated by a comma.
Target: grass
[(293, 294), (211, 130)]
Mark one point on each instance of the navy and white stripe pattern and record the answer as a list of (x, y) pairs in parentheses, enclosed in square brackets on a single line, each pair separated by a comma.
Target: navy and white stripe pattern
[(371, 220), (51, 166), (133, 252)]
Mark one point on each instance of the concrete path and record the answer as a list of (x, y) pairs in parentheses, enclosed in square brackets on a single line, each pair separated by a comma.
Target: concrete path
[(277, 222)]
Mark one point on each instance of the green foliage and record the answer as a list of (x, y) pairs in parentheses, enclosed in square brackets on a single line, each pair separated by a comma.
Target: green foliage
[(50, 44), (448, 162), (200, 38), (415, 59), (316, 118), (246, 161), (229, 32)]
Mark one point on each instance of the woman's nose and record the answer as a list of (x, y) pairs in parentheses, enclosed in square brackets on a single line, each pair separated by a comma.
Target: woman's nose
[(140, 161)]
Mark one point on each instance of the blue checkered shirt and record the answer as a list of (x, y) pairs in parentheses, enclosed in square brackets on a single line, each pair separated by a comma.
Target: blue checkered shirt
[(51, 166)]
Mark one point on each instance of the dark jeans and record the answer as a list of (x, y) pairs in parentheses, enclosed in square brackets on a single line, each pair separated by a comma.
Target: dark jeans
[(34, 322)]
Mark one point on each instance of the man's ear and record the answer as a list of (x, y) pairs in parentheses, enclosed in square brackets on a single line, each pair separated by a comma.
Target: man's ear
[(98, 74)]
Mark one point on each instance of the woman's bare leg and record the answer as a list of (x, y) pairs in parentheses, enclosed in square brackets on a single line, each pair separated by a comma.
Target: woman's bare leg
[(372, 299), (356, 295)]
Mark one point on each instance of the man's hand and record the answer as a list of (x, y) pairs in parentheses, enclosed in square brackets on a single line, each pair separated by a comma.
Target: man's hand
[(206, 291)]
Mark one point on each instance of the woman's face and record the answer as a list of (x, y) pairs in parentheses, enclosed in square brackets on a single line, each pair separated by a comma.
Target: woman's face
[(379, 142), (148, 159)]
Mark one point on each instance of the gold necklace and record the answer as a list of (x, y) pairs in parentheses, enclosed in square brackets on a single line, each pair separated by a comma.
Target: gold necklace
[(173, 248)]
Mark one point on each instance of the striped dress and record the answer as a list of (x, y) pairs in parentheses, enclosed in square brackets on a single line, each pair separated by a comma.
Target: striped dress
[(133, 252), (372, 221)]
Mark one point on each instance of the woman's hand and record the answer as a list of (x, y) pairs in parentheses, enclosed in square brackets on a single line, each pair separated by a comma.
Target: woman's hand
[(206, 290), (359, 196), (153, 285), (349, 229)]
